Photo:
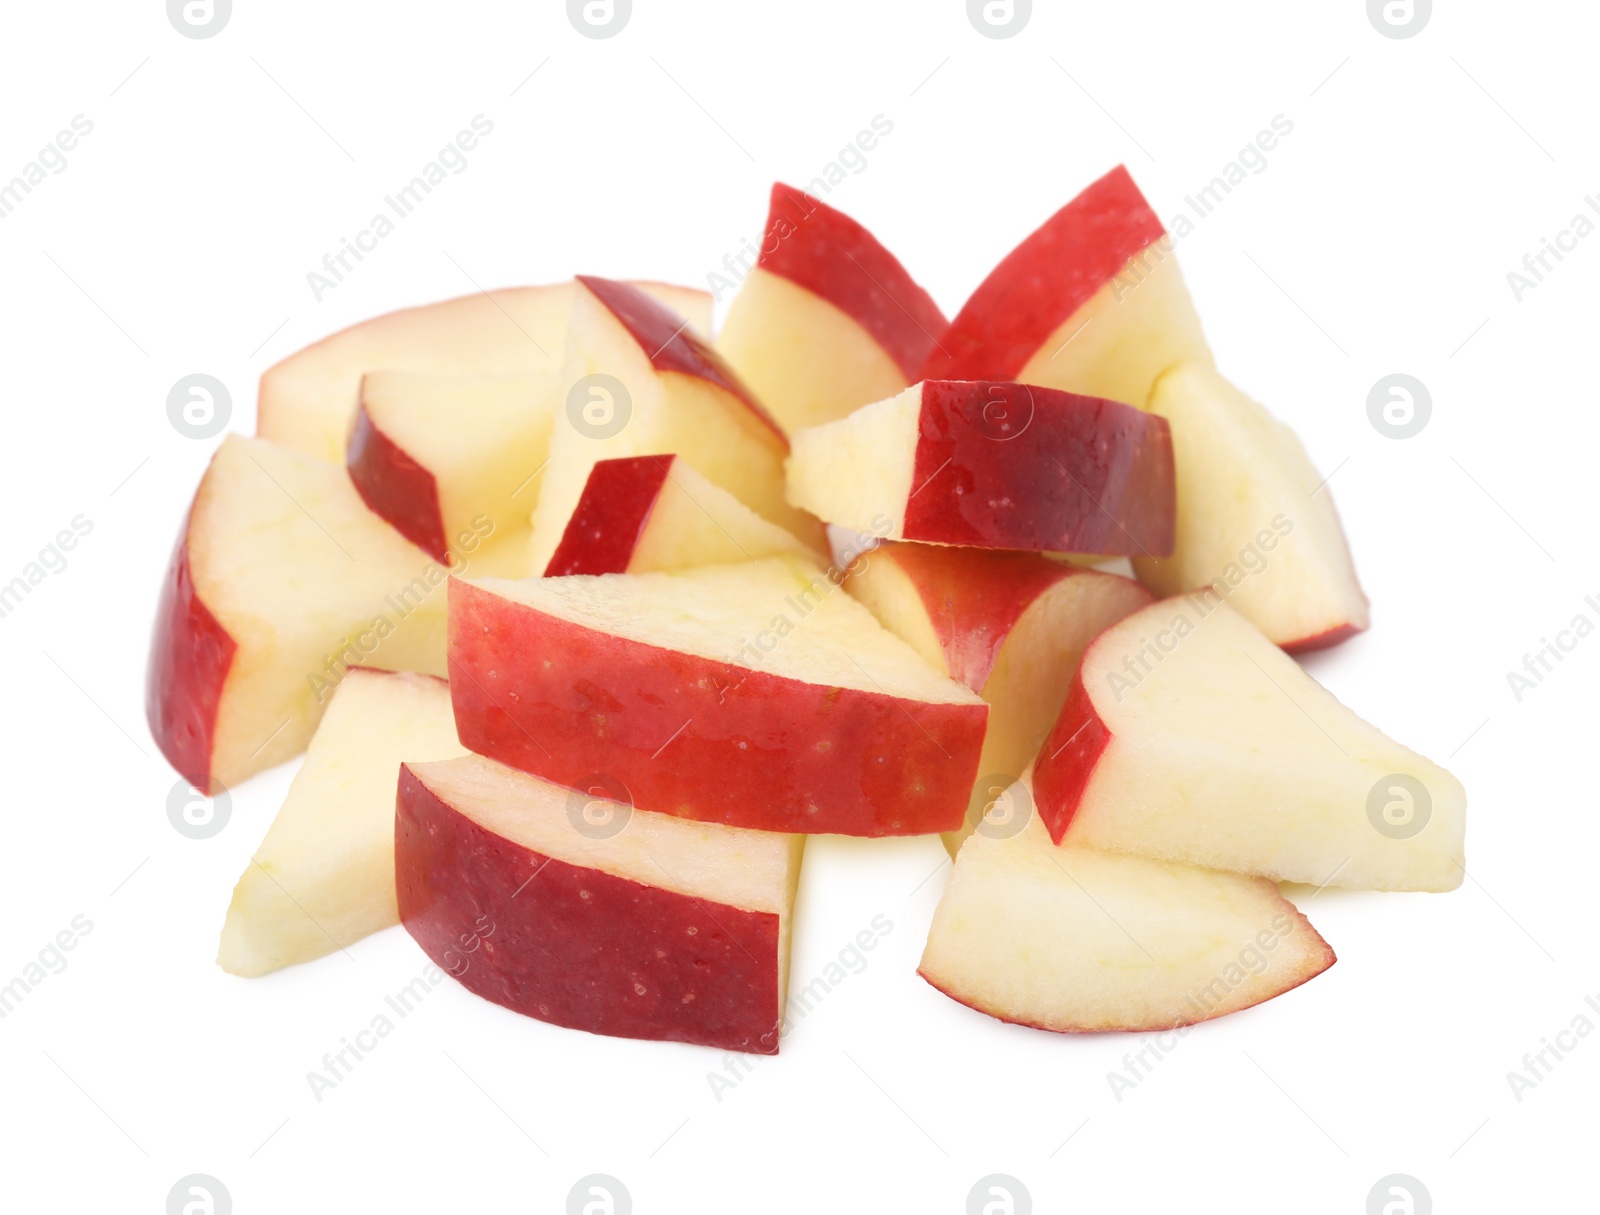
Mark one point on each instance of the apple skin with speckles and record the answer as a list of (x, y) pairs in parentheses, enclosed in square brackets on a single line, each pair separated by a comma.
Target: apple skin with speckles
[(703, 738), (1057, 472), (994, 464), (577, 946)]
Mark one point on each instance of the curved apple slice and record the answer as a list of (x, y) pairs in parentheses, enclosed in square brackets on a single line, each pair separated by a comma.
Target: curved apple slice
[(1254, 518), (1076, 940), (757, 695), (1091, 302), (1011, 626), (1189, 736), (590, 914), (323, 878), (308, 401), (829, 320), (992, 465), (451, 459), (642, 514), (282, 579), (656, 390)]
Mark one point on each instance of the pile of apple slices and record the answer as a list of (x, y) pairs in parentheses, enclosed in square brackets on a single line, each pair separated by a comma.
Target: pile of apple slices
[(539, 582)]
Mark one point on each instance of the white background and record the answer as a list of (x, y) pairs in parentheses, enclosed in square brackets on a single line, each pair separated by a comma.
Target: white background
[(1378, 239)]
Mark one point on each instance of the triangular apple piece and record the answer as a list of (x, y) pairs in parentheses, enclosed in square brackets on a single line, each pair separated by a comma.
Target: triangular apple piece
[(1011, 626), (323, 878), (1091, 302), (641, 514), (1254, 518), (993, 465), (583, 911), (638, 383), (308, 400), (282, 579), (828, 320), (758, 695), (451, 460), (1189, 736), (1076, 940)]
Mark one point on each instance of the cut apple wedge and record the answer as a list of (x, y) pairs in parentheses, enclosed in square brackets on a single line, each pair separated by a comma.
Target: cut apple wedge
[(449, 459), (1076, 940), (639, 384), (1188, 736), (642, 514), (1011, 626), (1091, 302), (829, 320), (587, 913), (308, 401), (282, 579), (324, 876), (1254, 519), (757, 695), (992, 465)]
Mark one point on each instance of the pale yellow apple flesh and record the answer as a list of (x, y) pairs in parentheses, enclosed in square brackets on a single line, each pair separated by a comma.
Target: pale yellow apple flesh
[(651, 514), (695, 522), (323, 877), (484, 439), (856, 472), (667, 413), (1255, 519), (806, 359), (1130, 331), (1034, 665), (308, 400), (720, 613), (1072, 939), (1193, 738), (307, 581)]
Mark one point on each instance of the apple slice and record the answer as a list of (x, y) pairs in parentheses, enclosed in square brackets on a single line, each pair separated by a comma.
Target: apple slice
[(993, 465), (1189, 736), (587, 913), (641, 514), (1075, 940), (828, 320), (308, 401), (449, 458), (282, 579), (1254, 518), (1011, 626), (324, 876), (638, 385), (756, 695), (1092, 302)]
